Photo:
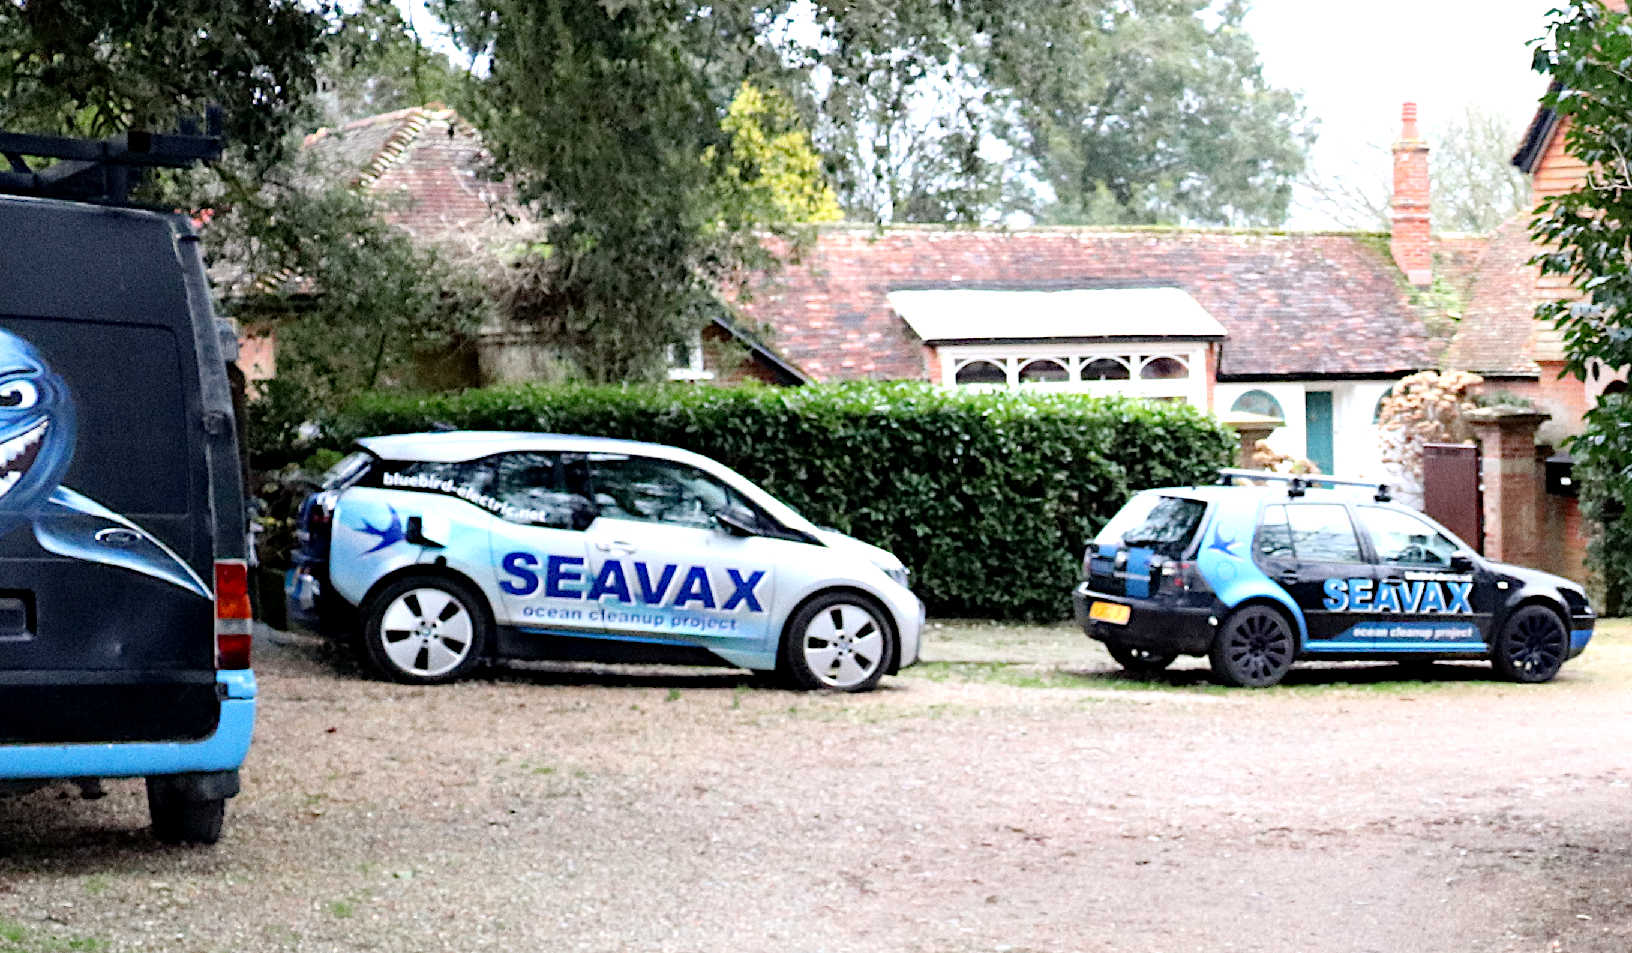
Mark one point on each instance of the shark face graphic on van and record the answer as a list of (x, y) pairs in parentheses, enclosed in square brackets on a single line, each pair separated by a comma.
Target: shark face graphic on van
[(38, 431)]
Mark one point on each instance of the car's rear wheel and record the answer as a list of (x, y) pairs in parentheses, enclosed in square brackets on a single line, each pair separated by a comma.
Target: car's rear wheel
[(425, 630), (1531, 645), (1139, 661), (1253, 648), (838, 641)]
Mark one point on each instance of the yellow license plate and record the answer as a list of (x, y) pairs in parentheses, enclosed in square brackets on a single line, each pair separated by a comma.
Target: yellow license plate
[(1109, 612)]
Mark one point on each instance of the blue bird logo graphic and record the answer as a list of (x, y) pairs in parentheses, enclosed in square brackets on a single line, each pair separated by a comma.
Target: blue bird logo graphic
[(392, 532), (1225, 546)]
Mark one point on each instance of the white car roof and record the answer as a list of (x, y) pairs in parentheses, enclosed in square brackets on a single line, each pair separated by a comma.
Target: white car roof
[(455, 445)]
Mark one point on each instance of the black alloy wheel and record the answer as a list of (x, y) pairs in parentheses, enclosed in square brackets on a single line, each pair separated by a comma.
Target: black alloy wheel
[(1253, 648), (1531, 646)]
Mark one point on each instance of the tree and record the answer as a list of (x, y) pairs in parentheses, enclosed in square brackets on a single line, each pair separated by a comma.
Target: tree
[(1120, 111), (89, 68), (1159, 104), (378, 62), (607, 120), (1587, 233)]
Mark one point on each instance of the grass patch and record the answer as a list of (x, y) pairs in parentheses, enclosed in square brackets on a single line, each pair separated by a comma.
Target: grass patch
[(17, 938)]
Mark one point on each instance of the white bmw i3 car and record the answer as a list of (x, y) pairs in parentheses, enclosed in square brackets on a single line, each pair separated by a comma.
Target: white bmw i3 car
[(445, 549)]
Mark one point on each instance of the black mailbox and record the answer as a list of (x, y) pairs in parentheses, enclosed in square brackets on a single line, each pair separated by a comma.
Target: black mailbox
[(1561, 474)]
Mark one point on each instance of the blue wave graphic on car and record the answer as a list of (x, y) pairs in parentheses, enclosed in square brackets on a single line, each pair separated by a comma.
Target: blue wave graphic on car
[(38, 428)]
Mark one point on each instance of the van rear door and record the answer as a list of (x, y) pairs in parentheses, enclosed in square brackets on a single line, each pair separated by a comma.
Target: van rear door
[(106, 509)]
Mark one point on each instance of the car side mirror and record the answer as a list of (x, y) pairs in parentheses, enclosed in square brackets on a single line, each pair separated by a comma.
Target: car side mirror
[(738, 520), (1461, 562)]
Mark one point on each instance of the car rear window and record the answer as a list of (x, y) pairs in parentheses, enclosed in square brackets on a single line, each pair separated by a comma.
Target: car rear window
[(1166, 524)]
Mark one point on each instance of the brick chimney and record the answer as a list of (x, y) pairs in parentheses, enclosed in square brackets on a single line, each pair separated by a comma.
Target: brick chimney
[(1408, 212)]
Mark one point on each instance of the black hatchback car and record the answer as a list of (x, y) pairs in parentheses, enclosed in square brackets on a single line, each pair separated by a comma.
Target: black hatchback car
[(1257, 577)]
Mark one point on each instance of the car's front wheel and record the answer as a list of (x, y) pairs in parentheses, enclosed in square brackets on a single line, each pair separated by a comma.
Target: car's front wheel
[(425, 630), (1531, 645), (1254, 648), (1139, 661), (837, 641)]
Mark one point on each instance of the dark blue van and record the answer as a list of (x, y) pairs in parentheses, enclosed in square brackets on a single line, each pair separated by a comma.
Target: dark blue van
[(124, 610)]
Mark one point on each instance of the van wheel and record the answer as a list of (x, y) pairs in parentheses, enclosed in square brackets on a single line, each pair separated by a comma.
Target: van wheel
[(837, 641), (1139, 661), (1253, 648), (425, 630), (179, 820), (1531, 646)]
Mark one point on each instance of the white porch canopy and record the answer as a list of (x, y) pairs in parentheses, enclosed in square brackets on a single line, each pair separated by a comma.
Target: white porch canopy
[(974, 314)]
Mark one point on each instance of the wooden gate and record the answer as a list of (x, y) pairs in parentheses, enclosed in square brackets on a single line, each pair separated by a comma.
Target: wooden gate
[(1451, 492)]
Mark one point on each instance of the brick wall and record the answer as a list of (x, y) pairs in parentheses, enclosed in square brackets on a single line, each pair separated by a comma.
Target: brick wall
[(1409, 239)]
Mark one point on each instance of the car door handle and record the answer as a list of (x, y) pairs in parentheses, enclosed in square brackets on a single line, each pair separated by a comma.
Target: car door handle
[(1288, 577), (616, 546)]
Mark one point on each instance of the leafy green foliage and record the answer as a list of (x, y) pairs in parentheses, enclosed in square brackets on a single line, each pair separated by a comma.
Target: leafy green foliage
[(988, 497), (1159, 104), (607, 118), (356, 302), (95, 68), (1589, 231), (1144, 112), (377, 62)]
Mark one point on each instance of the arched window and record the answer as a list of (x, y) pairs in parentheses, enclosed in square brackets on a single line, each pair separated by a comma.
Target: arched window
[(1259, 402), (1043, 370), (1377, 412), (981, 372), (1164, 369), (1104, 369)]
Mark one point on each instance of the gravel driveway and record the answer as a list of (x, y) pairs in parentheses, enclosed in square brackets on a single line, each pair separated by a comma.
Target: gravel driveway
[(1012, 794)]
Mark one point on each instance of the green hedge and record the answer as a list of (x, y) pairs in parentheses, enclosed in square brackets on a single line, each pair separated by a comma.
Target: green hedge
[(987, 497)]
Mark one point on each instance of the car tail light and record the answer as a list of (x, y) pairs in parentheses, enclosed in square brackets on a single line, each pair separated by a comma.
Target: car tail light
[(1184, 576), (234, 620)]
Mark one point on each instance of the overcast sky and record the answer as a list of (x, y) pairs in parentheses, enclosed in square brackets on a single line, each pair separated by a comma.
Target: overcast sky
[(1355, 63)]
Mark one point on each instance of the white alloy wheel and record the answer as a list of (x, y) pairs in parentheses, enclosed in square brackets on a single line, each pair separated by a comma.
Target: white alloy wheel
[(844, 645), (426, 632)]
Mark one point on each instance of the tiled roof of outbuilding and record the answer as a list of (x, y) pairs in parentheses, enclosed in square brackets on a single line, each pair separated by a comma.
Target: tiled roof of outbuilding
[(1294, 304), (424, 161), (1497, 333)]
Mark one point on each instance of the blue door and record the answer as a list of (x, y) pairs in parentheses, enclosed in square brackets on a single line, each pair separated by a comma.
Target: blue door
[(1317, 423)]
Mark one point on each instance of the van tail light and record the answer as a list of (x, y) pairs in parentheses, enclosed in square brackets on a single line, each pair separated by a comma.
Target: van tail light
[(234, 621)]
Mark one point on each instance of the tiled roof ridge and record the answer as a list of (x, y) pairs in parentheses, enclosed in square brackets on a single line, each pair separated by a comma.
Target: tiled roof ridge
[(415, 119)]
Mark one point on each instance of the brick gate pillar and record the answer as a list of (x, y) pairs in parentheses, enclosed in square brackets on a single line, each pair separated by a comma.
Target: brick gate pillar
[(1512, 480)]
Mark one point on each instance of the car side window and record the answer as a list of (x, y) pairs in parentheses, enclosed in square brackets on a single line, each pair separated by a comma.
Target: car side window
[(656, 491), (538, 489), (1406, 540), (1322, 533), (1275, 535)]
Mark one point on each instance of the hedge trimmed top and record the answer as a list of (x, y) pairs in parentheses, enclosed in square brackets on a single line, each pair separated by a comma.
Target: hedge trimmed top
[(987, 497)]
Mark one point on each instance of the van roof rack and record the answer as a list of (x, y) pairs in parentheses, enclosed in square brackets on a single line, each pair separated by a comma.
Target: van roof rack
[(1298, 483), (102, 171)]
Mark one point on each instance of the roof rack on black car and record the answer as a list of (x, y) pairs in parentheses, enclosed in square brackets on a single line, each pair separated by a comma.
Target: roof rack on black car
[(1297, 483), (102, 171)]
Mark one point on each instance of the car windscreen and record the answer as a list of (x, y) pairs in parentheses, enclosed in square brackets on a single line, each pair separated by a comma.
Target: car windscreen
[(1166, 524)]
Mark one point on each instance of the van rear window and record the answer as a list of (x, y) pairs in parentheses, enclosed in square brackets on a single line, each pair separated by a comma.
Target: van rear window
[(133, 449), (1166, 524)]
